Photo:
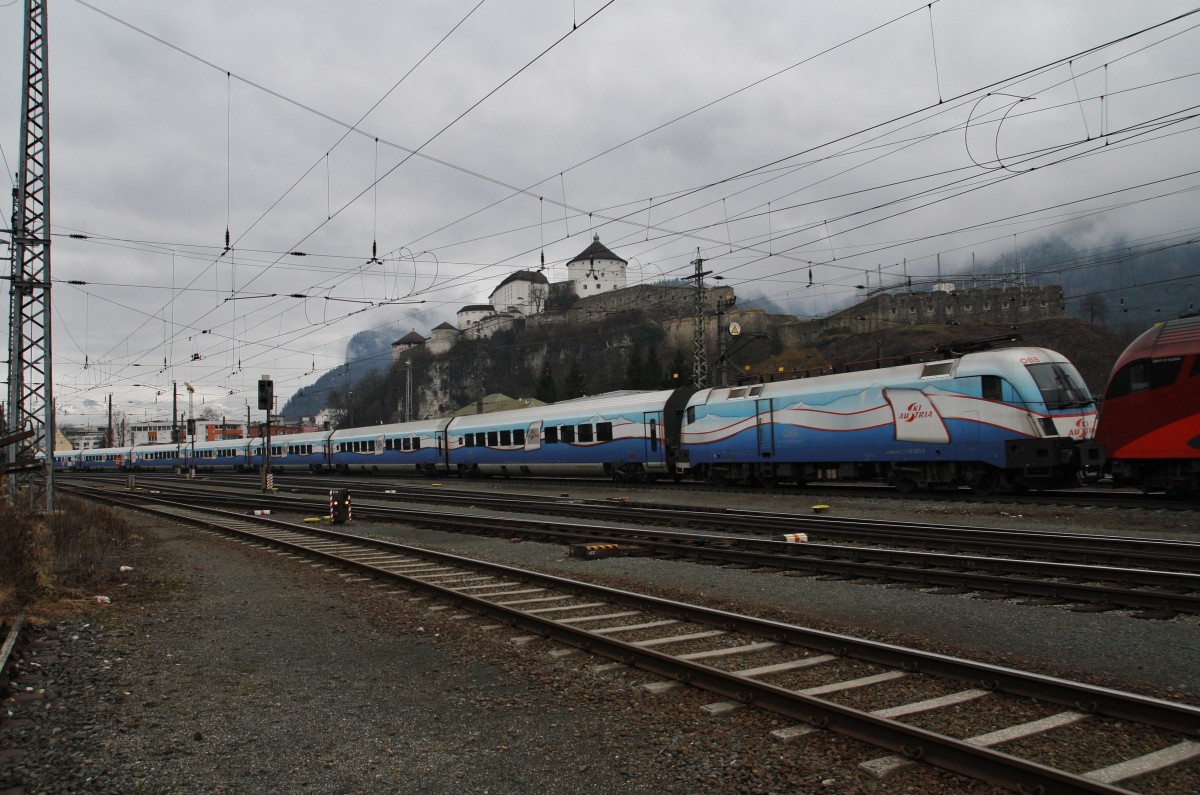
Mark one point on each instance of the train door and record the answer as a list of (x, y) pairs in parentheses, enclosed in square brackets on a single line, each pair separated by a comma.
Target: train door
[(533, 436), (765, 428), (441, 443), (652, 422)]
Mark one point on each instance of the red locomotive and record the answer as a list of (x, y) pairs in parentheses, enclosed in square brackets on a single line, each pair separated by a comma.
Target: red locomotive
[(1149, 429)]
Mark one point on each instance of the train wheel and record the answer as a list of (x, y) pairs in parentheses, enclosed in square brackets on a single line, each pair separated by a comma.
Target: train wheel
[(984, 480), (905, 484)]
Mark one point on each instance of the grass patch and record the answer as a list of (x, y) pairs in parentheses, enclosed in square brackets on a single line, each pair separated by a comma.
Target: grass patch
[(75, 552)]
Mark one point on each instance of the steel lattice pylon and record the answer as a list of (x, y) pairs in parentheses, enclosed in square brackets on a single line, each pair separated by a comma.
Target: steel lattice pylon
[(699, 353), (30, 389)]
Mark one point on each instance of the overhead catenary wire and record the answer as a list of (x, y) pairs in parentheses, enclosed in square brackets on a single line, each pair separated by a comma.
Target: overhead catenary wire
[(646, 228)]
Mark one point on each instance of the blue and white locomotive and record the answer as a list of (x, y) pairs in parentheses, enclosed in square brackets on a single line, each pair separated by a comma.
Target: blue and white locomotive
[(985, 419)]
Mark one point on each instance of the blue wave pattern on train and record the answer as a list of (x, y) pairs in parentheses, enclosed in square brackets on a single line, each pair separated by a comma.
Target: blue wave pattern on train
[(986, 419)]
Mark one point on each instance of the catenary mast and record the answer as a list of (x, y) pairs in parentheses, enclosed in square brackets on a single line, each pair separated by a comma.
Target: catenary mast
[(30, 388)]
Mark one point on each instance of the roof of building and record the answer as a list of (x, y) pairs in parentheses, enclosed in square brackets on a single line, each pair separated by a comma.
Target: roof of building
[(597, 250), (411, 338), (445, 326), (497, 402), (536, 277), (478, 308)]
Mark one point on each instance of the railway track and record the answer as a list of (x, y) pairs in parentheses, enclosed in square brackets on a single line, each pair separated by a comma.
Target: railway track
[(1093, 496), (11, 631), (1160, 579), (886, 695)]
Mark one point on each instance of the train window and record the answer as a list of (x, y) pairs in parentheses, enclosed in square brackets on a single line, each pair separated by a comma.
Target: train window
[(566, 433), (737, 393), (1144, 374), (481, 439), (585, 433), (654, 435), (519, 436), (493, 439), (466, 441), (1060, 384), (404, 444), (416, 443), (1195, 367), (550, 434), (371, 446), (604, 432), (505, 438), (992, 388), (937, 370), (755, 391), (691, 415)]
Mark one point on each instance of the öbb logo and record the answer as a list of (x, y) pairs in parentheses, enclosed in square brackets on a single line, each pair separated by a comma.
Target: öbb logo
[(916, 411)]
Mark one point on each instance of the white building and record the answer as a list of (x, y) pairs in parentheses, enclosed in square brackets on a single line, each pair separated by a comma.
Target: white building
[(523, 292), (596, 270), (471, 314)]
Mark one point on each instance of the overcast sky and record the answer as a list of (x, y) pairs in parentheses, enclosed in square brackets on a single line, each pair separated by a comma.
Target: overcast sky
[(789, 142)]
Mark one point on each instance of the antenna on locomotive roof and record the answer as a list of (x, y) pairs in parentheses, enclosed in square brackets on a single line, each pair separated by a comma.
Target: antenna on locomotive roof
[(960, 347)]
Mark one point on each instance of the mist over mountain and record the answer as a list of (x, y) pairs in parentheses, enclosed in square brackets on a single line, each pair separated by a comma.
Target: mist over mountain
[(367, 352)]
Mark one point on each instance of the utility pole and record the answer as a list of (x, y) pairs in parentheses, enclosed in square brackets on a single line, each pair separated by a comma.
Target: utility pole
[(699, 354), (110, 425), (408, 396), (30, 381), (720, 380)]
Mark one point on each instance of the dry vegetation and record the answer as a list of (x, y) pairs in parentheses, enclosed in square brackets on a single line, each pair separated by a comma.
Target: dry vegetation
[(74, 553)]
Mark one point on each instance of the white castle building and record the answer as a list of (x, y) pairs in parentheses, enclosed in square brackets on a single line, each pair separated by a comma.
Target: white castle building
[(596, 270), (593, 271)]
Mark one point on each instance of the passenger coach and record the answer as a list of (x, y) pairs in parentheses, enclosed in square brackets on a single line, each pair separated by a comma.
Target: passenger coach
[(632, 436)]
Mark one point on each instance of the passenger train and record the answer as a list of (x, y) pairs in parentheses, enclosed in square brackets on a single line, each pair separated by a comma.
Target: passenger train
[(1149, 431), (986, 419)]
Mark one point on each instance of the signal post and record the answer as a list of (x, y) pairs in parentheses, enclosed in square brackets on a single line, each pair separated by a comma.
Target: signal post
[(266, 397)]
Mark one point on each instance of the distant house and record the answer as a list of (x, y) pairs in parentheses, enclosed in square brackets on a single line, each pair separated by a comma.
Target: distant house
[(471, 314), (442, 339), (410, 341)]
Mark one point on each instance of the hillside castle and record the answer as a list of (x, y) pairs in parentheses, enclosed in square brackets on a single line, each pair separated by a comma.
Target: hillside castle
[(596, 287)]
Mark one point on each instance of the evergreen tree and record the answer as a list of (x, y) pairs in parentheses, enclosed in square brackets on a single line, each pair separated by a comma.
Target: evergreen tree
[(575, 383), (652, 374), (634, 376), (547, 392)]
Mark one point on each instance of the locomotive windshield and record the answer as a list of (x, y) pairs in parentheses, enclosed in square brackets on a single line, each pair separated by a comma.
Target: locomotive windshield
[(1060, 384)]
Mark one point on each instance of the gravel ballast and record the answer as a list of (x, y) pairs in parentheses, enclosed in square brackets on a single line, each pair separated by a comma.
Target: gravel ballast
[(218, 667)]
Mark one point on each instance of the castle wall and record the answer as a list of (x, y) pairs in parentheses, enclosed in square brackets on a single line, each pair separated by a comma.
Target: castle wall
[(891, 310), (654, 301)]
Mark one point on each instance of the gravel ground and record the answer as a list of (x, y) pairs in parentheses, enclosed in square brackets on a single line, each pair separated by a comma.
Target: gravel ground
[(218, 667)]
